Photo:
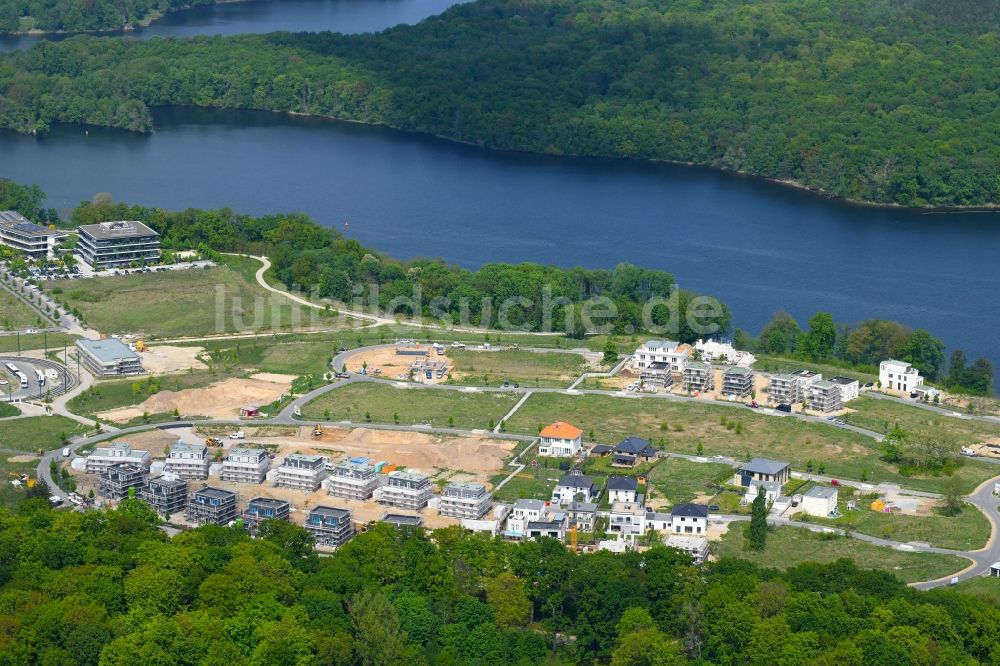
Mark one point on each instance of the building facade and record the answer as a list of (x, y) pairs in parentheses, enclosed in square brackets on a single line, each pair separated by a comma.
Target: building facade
[(34, 240), (824, 397), (188, 461), (657, 375), (574, 487), (560, 440), (465, 500), (330, 526), (689, 519), (899, 377), (166, 495), (406, 490), (116, 480), (850, 389), (112, 244), (301, 472), (260, 509), (351, 480), (627, 520), (243, 465), (211, 506), (623, 489), (673, 354), (119, 452), (737, 382), (699, 377), (108, 358)]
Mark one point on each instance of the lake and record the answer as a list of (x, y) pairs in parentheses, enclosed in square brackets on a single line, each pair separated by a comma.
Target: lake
[(347, 16), (756, 245)]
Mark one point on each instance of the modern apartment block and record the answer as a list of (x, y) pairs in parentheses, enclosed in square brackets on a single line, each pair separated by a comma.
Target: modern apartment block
[(260, 509), (166, 495), (737, 382), (108, 358), (698, 376), (792, 388), (301, 472), (188, 461), (32, 239), (824, 397), (850, 389), (406, 490), (899, 376), (111, 244), (211, 506), (330, 526), (116, 480), (113, 454), (244, 465), (674, 354), (657, 375), (465, 500), (351, 480)]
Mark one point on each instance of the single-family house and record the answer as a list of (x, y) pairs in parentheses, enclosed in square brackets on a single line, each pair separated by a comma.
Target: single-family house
[(689, 519), (771, 490), (898, 377), (627, 520), (762, 469), (622, 489), (560, 440), (553, 524), (574, 487), (695, 546), (582, 515), (850, 389), (819, 501), (631, 451), (524, 511), (674, 354)]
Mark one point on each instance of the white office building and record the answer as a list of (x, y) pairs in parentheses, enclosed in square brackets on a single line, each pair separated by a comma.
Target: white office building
[(244, 465), (301, 472), (112, 244), (898, 377), (113, 454), (34, 240), (188, 461)]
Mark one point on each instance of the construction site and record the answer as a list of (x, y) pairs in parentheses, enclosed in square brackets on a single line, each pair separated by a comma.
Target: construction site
[(404, 362)]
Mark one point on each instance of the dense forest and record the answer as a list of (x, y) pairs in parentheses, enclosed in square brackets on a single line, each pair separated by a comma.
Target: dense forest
[(320, 261), (892, 101), (83, 15), (110, 589)]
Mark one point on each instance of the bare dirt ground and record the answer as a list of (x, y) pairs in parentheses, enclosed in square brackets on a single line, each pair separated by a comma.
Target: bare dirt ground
[(221, 400), (22, 459), (163, 359), (393, 365)]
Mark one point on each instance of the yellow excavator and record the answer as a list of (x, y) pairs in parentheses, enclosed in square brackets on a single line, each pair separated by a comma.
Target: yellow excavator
[(317, 430)]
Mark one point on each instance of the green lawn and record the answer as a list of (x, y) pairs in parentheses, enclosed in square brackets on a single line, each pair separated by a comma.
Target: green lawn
[(180, 303), (602, 465), (986, 588), (293, 354), (492, 368), (14, 314), (882, 415), (740, 433), (791, 546), (969, 530), (530, 483), (9, 343), (681, 480), (7, 409), (37, 432), (11, 495), (412, 405)]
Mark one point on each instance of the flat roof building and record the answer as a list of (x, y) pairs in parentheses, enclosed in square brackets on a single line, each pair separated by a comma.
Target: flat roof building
[(465, 500), (117, 479), (109, 358), (112, 244), (351, 480), (330, 526), (849, 388), (260, 509), (301, 472), (32, 239), (167, 495), (402, 520), (188, 461), (406, 490), (824, 397), (211, 506), (119, 452), (737, 382), (244, 465), (698, 377)]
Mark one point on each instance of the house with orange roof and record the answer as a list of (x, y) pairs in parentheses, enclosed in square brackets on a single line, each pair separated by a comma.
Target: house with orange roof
[(560, 440)]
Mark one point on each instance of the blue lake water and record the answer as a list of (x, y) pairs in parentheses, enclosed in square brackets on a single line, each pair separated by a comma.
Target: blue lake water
[(756, 245)]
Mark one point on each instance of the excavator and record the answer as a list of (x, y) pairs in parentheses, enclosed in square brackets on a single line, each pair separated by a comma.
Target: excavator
[(317, 430)]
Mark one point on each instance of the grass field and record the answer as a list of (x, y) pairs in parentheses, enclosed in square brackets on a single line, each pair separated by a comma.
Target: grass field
[(14, 314), (523, 367), (681, 480), (882, 415), (530, 483), (740, 433), (986, 588), (37, 432), (969, 530), (437, 407), (179, 303), (103, 396), (6, 409), (9, 343), (11, 495), (791, 546)]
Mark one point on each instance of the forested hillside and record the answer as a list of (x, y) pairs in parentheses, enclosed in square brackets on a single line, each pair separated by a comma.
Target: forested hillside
[(83, 15), (109, 588), (889, 100)]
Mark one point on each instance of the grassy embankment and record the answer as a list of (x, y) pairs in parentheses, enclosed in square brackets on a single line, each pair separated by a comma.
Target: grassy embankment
[(790, 546), (14, 314), (38, 432), (493, 368)]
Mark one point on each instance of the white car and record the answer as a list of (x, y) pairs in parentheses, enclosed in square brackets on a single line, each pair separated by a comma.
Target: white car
[(31, 330)]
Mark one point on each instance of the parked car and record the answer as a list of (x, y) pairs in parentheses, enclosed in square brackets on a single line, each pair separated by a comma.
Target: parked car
[(753, 404), (343, 375), (784, 407), (713, 507), (834, 482), (239, 434)]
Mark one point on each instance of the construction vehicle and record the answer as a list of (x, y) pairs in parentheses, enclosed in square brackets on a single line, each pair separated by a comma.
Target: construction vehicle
[(317, 430), (140, 346), (213, 441)]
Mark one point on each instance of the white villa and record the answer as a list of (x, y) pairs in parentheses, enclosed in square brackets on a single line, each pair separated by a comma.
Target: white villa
[(674, 354), (899, 377)]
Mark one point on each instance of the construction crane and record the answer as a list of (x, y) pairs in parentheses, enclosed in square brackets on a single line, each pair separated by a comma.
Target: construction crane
[(573, 539)]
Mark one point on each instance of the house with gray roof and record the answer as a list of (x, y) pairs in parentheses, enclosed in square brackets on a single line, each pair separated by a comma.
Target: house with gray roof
[(762, 469), (622, 488), (573, 486)]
